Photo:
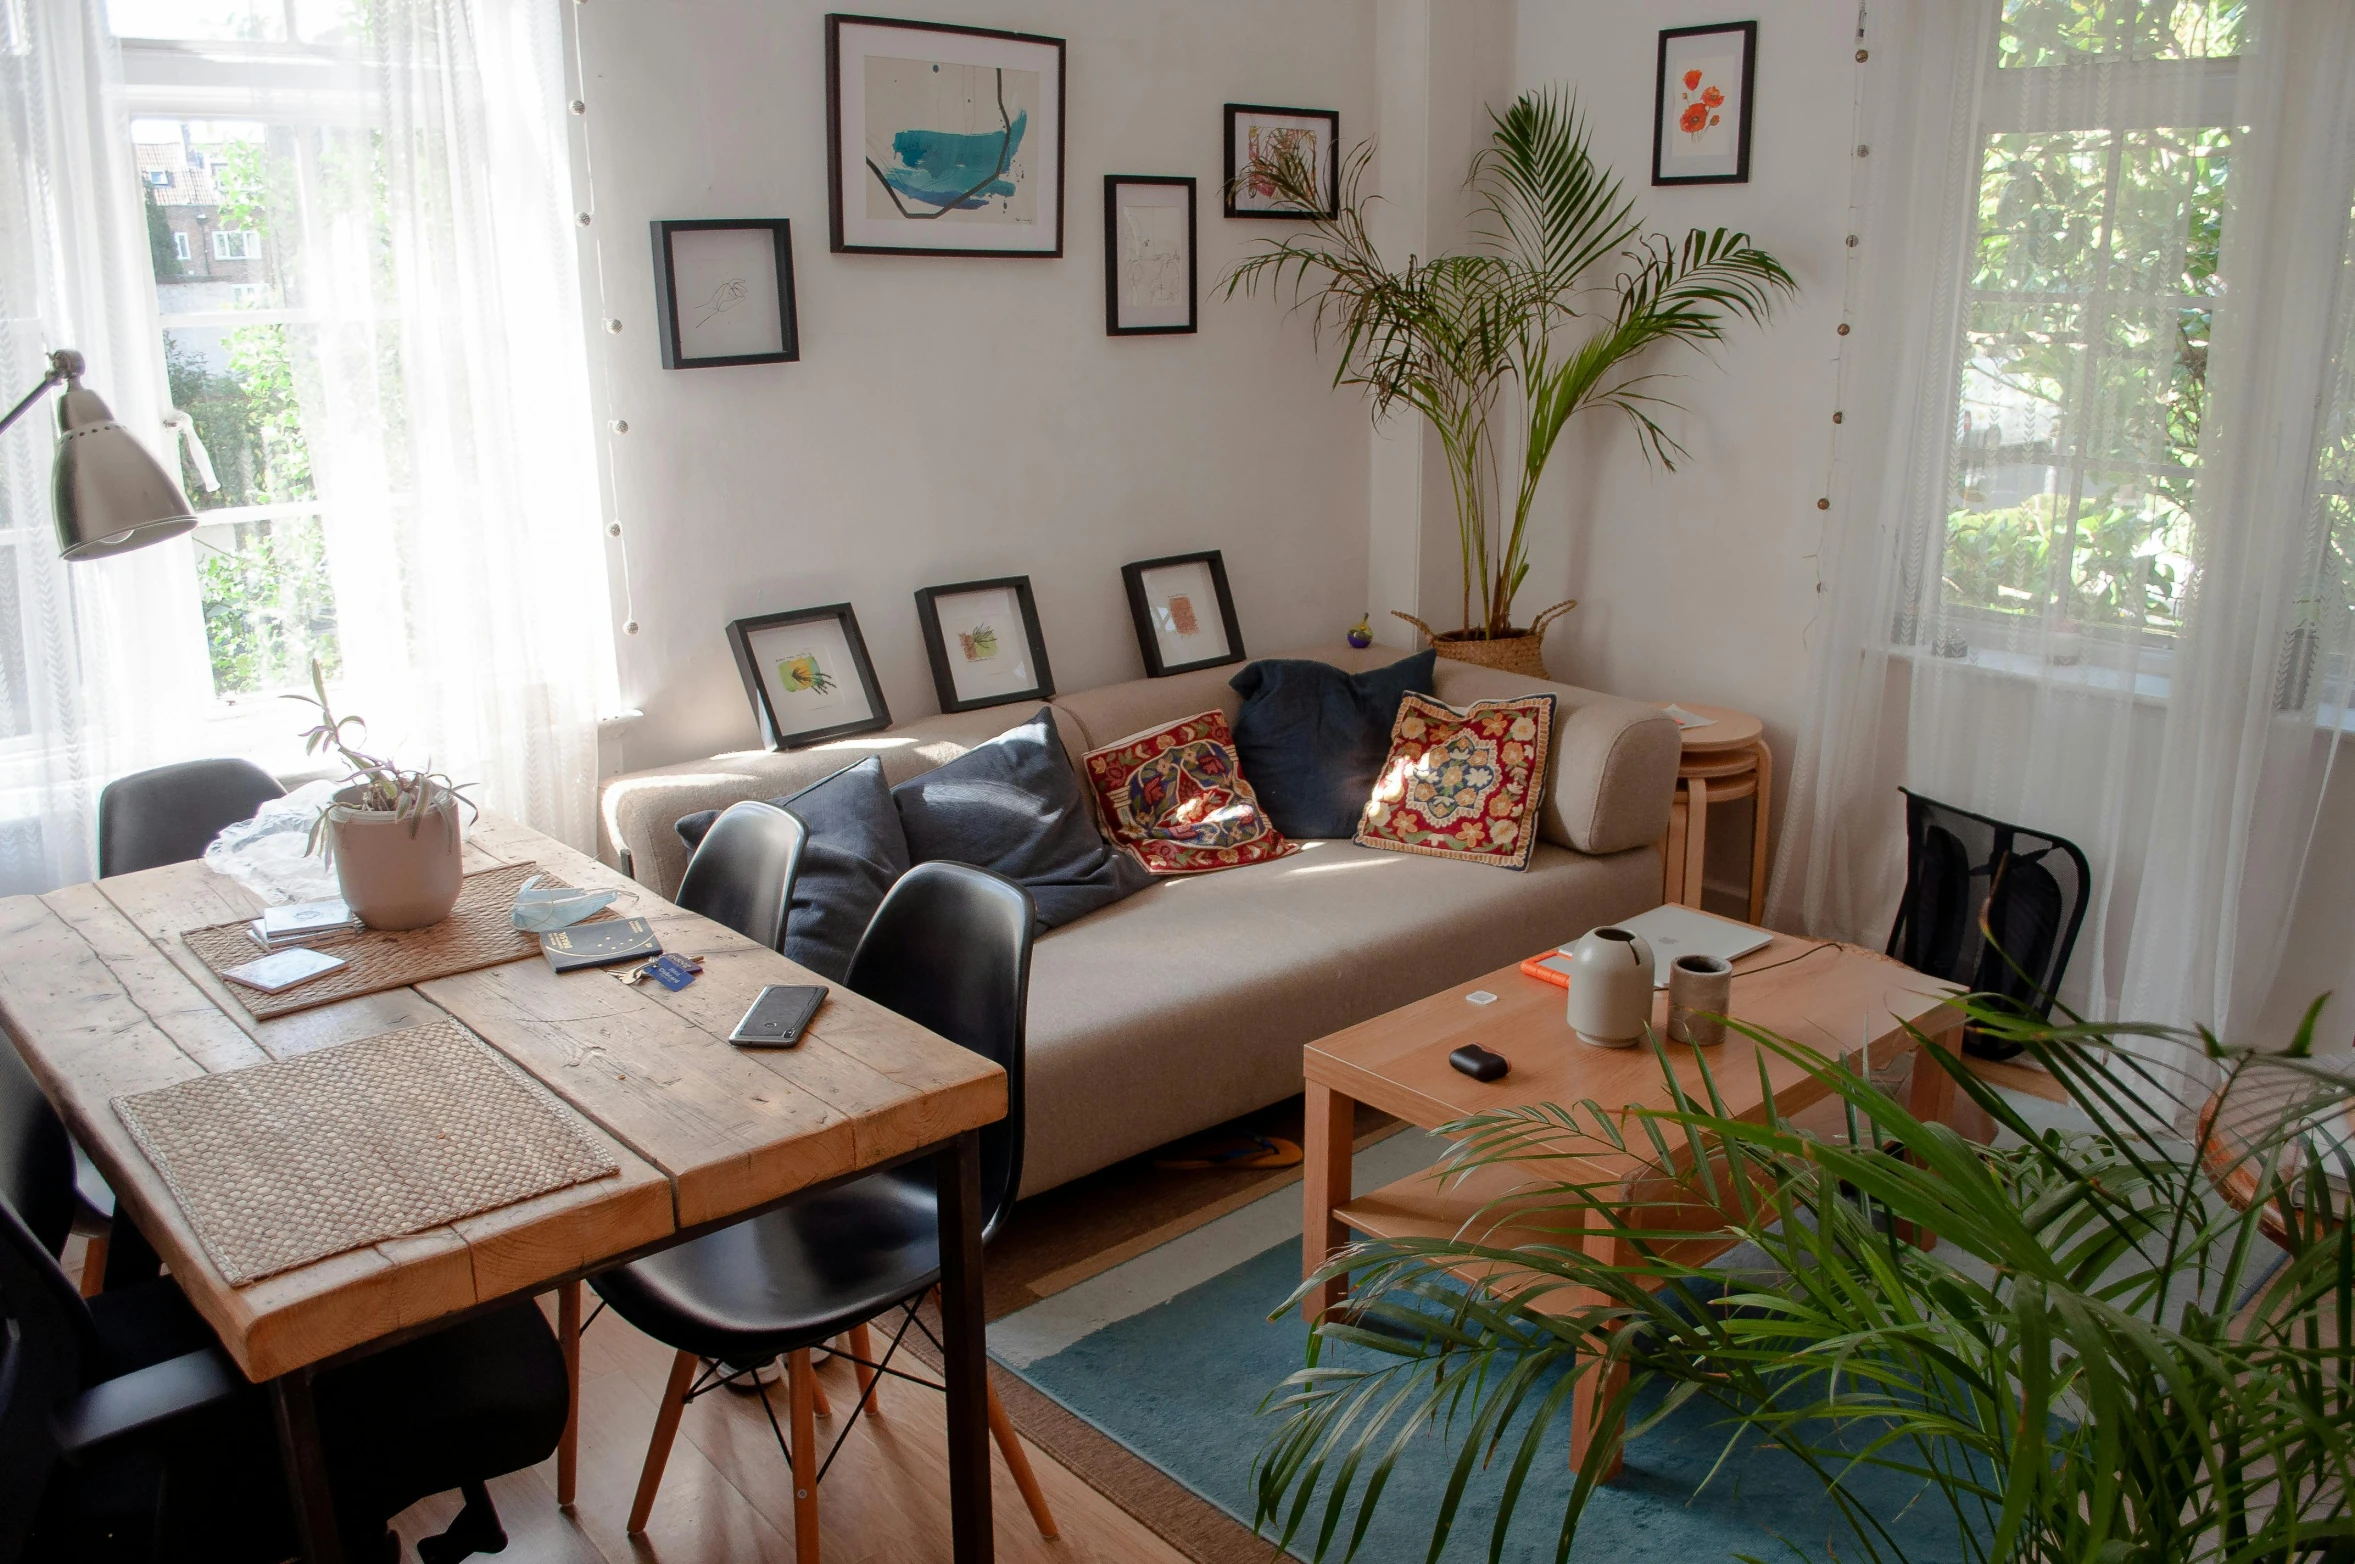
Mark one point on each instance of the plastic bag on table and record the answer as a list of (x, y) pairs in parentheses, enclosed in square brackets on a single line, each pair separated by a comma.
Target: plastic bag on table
[(269, 853)]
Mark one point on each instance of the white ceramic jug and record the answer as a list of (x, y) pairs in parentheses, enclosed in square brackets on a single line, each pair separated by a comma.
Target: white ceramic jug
[(1610, 987)]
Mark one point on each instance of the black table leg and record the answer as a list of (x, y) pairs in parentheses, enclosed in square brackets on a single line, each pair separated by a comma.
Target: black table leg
[(306, 1468), (957, 1167)]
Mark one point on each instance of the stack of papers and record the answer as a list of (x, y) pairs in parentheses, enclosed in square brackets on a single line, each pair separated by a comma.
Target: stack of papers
[(279, 927)]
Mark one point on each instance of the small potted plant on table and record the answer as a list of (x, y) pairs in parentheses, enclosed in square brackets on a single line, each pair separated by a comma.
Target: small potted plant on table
[(393, 835)]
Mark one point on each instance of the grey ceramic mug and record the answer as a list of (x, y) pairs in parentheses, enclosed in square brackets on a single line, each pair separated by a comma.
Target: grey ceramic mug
[(1700, 991)]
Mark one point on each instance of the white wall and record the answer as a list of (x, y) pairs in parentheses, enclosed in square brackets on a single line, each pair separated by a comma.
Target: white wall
[(1698, 584), (959, 418)]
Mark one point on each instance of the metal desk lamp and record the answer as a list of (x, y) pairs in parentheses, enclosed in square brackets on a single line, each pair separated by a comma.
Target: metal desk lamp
[(111, 495)]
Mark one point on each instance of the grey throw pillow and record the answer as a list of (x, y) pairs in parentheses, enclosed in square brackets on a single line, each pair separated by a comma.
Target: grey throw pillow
[(1014, 806)]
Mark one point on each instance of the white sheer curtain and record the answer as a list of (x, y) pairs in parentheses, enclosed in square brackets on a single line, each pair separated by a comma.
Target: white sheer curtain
[(102, 665), (449, 418), (2088, 565)]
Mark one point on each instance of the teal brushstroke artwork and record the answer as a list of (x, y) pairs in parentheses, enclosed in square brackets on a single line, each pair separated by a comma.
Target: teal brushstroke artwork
[(944, 170), (945, 137)]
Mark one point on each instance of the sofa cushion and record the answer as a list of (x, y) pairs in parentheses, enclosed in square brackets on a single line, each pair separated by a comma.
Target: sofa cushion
[(1189, 1004), (1615, 760), (1013, 805), (1176, 797), (1462, 784), (854, 853), (1312, 738)]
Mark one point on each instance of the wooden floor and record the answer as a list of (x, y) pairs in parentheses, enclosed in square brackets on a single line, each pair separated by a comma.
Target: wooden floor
[(727, 1495)]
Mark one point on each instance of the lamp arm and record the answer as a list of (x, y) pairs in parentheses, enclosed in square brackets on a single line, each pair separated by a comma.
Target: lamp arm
[(64, 365)]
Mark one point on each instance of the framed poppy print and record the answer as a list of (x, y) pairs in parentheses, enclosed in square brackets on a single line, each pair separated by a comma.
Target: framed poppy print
[(1701, 115)]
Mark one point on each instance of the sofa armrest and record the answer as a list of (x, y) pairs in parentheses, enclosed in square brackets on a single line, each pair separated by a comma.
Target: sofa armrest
[(1614, 765)]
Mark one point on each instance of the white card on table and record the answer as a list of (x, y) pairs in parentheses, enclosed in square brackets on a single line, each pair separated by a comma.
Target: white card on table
[(283, 970)]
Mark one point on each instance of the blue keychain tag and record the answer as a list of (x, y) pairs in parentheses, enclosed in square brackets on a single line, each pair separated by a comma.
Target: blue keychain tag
[(673, 972)]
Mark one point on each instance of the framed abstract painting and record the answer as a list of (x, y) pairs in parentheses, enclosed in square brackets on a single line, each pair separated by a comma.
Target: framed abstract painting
[(943, 140), (1257, 135), (725, 292), (1149, 280), (807, 674), (1701, 111), (1184, 614), (984, 642)]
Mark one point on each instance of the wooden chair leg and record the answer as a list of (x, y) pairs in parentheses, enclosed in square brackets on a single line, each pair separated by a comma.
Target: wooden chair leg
[(1001, 1428), (818, 1395), (666, 1429), (1758, 820), (801, 1381), (1696, 837), (568, 1336), (94, 1266), (862, 1348), (1672, 851)]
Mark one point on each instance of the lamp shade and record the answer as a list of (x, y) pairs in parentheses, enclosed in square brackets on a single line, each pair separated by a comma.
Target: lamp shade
[(111, 495)]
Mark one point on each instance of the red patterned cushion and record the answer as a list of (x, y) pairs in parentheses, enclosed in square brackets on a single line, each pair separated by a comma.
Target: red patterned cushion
[(1175, 797), (1462, 784)]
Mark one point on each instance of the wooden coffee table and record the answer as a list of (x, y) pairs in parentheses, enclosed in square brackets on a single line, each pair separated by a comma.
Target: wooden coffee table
[(1837, 999)]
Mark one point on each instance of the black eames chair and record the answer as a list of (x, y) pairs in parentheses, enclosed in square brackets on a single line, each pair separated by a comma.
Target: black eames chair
[(742, 873), (126, 1433), (1993, 906), (949, 949), (171, 814)]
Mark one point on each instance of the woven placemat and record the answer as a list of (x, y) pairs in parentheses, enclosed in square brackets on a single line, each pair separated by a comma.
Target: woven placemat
[(479, 932), (281, 1164)]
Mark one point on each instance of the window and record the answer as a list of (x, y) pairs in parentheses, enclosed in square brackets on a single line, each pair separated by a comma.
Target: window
[(180, 248), (236, 244), (2075, 483), (161, 178)]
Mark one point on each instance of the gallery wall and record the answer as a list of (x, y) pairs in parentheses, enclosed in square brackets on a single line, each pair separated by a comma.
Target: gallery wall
[(952, 418)]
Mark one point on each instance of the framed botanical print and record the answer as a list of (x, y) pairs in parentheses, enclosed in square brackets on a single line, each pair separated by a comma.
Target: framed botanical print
[(1258, 136), (1185, 616), (807, 674), (984, 641), (943, 140), (1149, 285), (1701, 110), (725, 292)]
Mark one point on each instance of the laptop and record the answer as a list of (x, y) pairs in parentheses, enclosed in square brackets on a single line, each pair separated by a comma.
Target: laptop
[(1673, 930)]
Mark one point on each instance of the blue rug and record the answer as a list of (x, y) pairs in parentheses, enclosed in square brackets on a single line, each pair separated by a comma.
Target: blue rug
[(1179, 1384)]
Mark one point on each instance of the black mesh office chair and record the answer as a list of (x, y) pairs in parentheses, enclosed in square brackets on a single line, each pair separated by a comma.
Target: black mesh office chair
[(742, 873), (127, 1434), (1992, 906), (949, 949), (171, 814)]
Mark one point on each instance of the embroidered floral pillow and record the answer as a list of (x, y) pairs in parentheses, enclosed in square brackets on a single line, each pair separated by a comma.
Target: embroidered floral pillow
[(1462, 784), (1175, 797)]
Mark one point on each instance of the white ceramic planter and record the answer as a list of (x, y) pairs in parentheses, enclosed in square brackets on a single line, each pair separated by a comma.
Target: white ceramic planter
[(1610, 987), (396, 874)]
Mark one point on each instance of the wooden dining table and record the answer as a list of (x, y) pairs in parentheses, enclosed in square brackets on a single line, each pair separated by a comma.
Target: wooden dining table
[(103, 997)]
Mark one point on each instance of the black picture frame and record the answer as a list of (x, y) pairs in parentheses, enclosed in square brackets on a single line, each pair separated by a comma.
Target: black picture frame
[(929, 601), (1149, 637), (746, 638), (1332, 119), (666, 286), (1112, 257), (1748, 33), (838, 240)]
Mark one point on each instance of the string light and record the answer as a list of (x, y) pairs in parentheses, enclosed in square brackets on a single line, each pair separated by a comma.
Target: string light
[(1850, 272), (613, 326)]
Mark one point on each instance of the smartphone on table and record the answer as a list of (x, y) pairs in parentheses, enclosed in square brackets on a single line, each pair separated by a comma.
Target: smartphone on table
[(779, 1015)]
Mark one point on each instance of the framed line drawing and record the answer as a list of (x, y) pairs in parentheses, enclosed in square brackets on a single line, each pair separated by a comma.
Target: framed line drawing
[(1701, 104), (1255, 134), (1149, 275), (942, 140), (984, 642), (807, 675), (1185, 616), (724, 292)]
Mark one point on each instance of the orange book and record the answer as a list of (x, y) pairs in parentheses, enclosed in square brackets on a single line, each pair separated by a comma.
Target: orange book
[(1548, 966)]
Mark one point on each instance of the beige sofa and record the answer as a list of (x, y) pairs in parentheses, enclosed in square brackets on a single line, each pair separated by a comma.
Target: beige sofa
[(1187, 1004)]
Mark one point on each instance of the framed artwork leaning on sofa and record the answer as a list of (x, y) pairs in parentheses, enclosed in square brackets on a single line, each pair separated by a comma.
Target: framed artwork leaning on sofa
[(1184, 613), (807, 674), (984, 642)]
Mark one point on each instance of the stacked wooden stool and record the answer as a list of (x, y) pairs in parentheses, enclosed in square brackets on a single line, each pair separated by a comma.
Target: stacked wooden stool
[(1725, 760)]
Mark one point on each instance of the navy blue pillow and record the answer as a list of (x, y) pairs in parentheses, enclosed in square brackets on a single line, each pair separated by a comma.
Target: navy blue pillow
[(1013, 805), (1312, 738), (854, 853)]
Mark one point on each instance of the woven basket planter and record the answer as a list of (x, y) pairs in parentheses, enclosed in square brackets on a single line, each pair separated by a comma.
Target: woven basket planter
[(1522, 652)]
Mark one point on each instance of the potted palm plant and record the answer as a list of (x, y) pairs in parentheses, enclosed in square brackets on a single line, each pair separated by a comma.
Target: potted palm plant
[(2095, 1362), (392, 834), (1519, 320)]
